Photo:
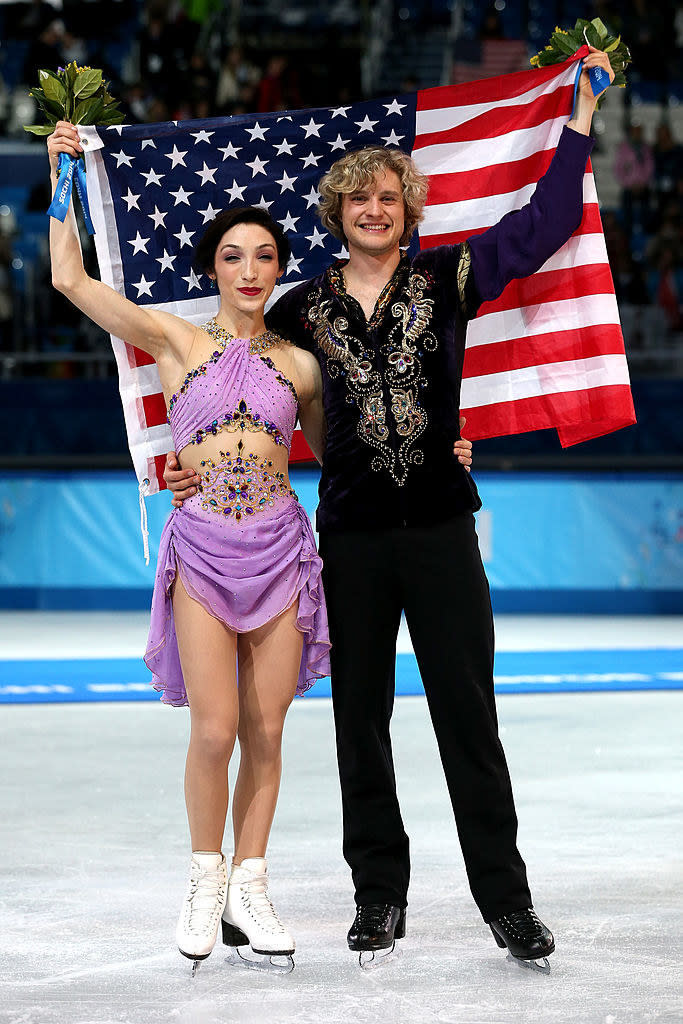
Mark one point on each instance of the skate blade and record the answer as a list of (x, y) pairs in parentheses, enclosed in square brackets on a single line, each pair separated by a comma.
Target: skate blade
[(369, 960), (542, 966), (261, 962)]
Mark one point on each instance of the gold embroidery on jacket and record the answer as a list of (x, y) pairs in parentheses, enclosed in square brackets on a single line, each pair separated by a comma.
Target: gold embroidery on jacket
[(463, 272), (408, 338)]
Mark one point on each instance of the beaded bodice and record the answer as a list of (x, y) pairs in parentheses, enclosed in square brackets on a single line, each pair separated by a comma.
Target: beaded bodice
[(237, 388)]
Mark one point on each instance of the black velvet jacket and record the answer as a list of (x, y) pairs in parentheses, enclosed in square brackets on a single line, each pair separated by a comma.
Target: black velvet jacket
[(391, 385)]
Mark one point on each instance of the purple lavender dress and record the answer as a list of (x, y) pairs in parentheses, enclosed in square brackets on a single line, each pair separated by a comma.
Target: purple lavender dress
[(243, 546)]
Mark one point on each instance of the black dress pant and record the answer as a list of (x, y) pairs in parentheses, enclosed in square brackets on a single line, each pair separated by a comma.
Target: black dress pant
[(436, 576)]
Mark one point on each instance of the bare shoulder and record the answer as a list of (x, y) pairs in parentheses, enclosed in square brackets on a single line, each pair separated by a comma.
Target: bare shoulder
[(306, 370)]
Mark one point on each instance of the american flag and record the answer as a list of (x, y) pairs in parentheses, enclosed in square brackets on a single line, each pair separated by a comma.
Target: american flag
[(548, 353)]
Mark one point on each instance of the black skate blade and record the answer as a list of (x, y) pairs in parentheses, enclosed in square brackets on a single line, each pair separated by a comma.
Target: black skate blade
[(261, 962), (370, 960), (541, 966)]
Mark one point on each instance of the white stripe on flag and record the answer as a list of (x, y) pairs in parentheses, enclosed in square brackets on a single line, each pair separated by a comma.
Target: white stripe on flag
[(474, 214), (579, 251), (442, 118), (473, 156), (545, 318), (148, 379), (549, 379)]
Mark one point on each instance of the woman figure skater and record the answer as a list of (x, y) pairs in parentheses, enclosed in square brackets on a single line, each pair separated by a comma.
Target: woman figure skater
[(238, 594)]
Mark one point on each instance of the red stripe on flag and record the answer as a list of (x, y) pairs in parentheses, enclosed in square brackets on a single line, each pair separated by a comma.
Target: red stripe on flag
[(581, 343), (593, 422), (590, 225), (460, 185), (501, 121), (154, 408), (300, 452), (552, 286), (159, 467), (570, 412), (136, 357), (492, 90)]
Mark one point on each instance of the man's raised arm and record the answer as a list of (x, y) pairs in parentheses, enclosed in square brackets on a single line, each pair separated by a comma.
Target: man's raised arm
[(521, 242)]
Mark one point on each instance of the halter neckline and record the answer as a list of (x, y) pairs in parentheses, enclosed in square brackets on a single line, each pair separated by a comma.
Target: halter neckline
[(257, 345)]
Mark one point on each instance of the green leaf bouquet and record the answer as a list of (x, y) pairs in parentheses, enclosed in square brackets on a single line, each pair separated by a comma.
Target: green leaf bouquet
[(75, 94), (78, 95), (565, 42)]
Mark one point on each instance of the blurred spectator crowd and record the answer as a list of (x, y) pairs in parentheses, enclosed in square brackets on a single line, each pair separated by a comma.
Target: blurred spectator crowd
[(181, 59)]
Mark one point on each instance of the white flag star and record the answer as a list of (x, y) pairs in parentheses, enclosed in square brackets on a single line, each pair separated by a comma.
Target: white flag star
[(339, 143), (311, 128), (176, 157), (207, 174), (202, 136), (340, 111), (311, 160), (393, 139), (181, 196), (116, 127), (158, 217), (264, 204), (257, 132), (289, 223), (131, 200), (229, 150), (293, 265), (311, 198), (184, 236), (192, 281), (317, 238), (123, 158), (148, 142), (166, 261), (236, 192), (285, 117), (342, 254), (151, 177), (208, 214), (139, 243), (144, 287), (394, 107), (285, 147), (286, 183), (366, 125), (258, 166)]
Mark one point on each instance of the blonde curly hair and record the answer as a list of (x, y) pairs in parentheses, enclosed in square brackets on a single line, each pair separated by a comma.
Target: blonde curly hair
[(355, 170)]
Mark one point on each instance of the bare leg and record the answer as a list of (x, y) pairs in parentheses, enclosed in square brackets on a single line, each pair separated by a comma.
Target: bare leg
[(269, 661), (208, 651)]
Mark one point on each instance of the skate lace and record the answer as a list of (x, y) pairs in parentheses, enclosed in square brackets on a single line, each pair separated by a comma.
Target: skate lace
[(204, 898), (525, 923), (255, 899), (373, 915)]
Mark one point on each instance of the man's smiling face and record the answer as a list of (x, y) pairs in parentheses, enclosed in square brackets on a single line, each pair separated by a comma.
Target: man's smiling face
[(373, 217)]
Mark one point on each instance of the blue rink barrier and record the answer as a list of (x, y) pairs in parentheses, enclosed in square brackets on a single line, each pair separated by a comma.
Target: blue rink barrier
[(603, 543), (127, 679)]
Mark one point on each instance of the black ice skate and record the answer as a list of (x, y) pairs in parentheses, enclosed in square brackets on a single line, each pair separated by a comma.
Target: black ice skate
[(376, 927), (526, 938)]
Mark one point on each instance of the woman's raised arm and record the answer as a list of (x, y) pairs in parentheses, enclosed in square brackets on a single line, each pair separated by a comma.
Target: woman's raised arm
[(159, 334)]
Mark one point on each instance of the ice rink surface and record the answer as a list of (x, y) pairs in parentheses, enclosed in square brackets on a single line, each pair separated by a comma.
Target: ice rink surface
[(95, 855)]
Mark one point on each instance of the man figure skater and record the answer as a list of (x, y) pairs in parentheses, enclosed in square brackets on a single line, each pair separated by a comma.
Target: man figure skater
[(395, 517)]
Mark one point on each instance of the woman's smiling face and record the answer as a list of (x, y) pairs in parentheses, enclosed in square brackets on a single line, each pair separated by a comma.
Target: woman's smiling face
[(246, 267)]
